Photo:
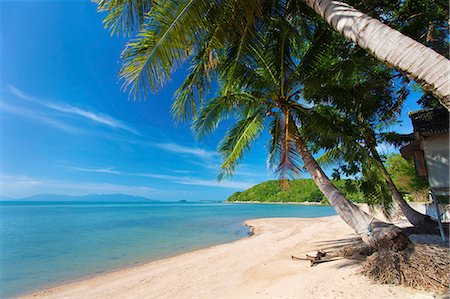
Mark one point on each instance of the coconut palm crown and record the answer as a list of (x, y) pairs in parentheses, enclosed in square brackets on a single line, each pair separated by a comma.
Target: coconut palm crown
[(261, 53), (172, 31), (261, 86)]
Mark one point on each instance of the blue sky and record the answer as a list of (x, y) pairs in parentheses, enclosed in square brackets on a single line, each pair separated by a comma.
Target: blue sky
[(67, 128)]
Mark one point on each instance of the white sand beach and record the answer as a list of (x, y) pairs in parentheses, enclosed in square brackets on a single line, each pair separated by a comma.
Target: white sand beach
[(259, 266)]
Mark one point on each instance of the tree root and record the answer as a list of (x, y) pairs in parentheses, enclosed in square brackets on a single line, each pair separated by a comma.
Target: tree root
[(420, 266), (389, 257), (428, 226)]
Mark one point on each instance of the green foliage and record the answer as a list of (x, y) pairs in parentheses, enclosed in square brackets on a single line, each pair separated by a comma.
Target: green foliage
[(302, 190), (403, 174), (270, 58), (123, 16)]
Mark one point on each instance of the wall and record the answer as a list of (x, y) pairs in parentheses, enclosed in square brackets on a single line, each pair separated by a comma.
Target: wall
[(429, 209), (436, 150)]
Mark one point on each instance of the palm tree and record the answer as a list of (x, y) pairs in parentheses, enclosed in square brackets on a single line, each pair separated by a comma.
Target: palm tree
[(261, 83), (172, 31), (358, 105), (261, 65), (391, 47), (356, 145)]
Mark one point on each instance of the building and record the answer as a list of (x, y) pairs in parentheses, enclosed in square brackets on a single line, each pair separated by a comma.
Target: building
[(431, 149), (431, 153)]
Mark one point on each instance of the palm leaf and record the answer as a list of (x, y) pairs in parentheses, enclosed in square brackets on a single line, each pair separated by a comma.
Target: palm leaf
[(274, 145), (238, 140), (165, 41), (288, 168), (331, 157), (218, 109), (124, 16)]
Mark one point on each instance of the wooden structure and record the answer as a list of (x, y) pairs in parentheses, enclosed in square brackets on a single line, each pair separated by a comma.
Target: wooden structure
[(430, 151)]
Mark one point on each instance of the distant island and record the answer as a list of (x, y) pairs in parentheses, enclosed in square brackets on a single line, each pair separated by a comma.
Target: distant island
[(83, 198), (301, 190)]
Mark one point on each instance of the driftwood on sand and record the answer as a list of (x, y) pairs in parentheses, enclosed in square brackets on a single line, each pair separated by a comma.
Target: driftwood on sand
[(314, 258)]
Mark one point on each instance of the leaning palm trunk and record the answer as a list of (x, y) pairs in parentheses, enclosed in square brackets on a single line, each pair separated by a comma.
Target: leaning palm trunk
[(416, 218), (371, 230), (393, 48)]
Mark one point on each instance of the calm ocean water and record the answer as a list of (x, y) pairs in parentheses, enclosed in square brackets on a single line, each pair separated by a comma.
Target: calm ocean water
[(47, 243)]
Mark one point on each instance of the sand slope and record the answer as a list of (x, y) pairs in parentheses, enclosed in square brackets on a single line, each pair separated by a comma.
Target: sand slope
[(256, 267)]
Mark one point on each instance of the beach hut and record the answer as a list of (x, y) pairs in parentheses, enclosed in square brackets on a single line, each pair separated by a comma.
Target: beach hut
[(430, 152)]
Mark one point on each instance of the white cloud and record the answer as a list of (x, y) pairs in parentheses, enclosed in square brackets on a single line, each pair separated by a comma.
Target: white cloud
[(184, 180), (34, 115), (69, 109), (180, 149), (182, 171), (99, 170), (20, 186), (215, 183), (19, 181), (17, 92), (99, 118)]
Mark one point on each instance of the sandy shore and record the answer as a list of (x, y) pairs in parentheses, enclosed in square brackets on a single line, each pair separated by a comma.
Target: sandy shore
[(255, 267)]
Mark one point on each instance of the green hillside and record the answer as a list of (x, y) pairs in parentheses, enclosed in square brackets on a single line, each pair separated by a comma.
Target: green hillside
[(302, 190)]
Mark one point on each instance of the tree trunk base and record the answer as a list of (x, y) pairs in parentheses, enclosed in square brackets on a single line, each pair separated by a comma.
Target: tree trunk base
[(428, 226), (382, 235), (420, 266)]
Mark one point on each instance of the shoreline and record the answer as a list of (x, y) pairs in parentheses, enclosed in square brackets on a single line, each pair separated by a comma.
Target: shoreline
[(32, 294), (258, 265), (304, 203)]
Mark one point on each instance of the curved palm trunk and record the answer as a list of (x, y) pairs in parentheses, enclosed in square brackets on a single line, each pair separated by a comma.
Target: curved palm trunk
[(393, 48), (371, 230), (416, 218)]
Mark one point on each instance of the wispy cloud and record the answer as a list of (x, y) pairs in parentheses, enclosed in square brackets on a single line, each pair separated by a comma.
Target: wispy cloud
[(69, 109), (177, 179), (249, 170), (19, 181), (98, 170), (180, 149), (34, 115), (20, 185), (215, 183), (187, 180)]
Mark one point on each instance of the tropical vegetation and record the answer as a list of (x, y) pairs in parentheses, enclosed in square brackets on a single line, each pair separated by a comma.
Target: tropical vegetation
[(263, 54), (185, 26), (353, 113), (301, 190), (403, 174)]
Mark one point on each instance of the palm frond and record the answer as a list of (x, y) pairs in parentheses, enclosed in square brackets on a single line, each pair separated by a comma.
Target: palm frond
[(124, 16), (375, 190), (238, 140), (274, 145), (215, 110), (332, 156), (395, 139), (288, 167), (168, 35)]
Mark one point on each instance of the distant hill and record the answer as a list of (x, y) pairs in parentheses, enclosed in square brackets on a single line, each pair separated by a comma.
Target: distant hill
[(302, 190), (89, 197)]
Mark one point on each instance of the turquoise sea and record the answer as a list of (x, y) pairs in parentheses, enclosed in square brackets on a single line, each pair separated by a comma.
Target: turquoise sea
[(47, 243)]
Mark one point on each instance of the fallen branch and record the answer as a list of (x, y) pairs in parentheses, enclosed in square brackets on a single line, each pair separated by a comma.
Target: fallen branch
[(314, 259)]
